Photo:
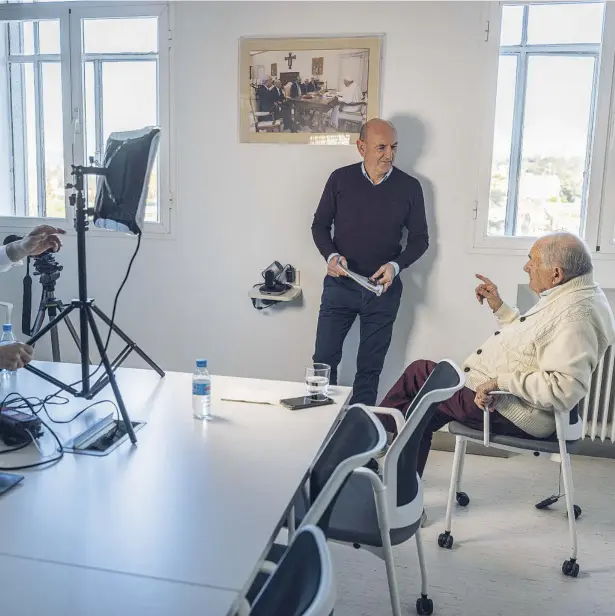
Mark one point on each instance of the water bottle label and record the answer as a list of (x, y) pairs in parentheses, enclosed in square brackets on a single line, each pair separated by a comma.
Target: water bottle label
[(201, 389)]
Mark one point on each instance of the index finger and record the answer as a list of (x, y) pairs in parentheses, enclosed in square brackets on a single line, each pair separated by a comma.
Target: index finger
[(49, 230), (484, 279)]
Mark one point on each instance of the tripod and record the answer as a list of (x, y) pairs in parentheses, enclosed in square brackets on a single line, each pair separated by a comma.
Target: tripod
[(87, 309), (51, 305)]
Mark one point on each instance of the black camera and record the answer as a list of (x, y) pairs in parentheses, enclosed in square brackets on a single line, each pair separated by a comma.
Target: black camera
[(48, 269), (46, 266)]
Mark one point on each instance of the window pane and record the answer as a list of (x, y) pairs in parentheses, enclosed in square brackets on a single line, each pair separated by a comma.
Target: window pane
[(49, 36), (504, 107), (135, 35), (565, 23), (129, 96), (512, 24), (53, 139), (24, 139), (38, 164), (557, 115), (130, 102), (21, 38)]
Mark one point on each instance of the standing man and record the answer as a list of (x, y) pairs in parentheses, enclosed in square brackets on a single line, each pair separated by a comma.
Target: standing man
[(369, 203)]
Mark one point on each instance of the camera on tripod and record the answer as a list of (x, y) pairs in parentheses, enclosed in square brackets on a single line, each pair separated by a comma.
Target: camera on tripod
[(48, 270), (46, 266)]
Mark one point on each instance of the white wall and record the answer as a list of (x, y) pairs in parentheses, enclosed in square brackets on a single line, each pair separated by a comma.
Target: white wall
[(240, 206)]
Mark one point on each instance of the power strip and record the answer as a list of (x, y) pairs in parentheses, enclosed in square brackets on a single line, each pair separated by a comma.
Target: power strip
[(17, 427)]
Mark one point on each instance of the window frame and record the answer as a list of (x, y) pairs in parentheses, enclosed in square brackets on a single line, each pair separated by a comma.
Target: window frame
[(70, 15), (598, 138)]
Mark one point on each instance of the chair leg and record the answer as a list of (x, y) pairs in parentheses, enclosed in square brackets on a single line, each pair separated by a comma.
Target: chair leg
[(570, 567), (463, 457), (445, 540), (387, 548), (424, 605)]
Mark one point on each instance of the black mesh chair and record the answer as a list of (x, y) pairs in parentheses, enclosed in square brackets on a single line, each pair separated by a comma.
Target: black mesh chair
[(303, 582), (358, 438), (567, 440), (377, 512)]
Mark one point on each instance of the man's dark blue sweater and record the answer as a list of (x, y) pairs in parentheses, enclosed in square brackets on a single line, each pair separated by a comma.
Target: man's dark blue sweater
[(369, 220)]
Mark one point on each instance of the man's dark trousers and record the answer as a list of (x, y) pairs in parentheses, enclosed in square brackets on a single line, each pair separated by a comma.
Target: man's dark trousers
[(342, 301)]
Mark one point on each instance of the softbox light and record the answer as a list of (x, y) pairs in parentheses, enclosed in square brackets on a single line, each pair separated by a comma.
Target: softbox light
[(121, 192)]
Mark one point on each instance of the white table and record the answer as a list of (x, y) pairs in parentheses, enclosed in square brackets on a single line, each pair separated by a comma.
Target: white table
[(194, 503), (31, 587)]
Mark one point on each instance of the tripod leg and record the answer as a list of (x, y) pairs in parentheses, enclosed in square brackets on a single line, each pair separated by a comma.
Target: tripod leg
[(109, 370), (103, 317), (71, 329), (39, 320), (55, 341), (41, 332)]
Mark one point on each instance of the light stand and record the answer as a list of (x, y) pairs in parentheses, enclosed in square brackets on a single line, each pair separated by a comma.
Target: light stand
[(87, 310)]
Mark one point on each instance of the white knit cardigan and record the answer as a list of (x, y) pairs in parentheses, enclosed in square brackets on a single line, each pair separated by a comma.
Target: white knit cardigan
[(545, 357)]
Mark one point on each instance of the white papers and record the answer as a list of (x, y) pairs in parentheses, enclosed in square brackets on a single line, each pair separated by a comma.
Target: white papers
[(364, 282)]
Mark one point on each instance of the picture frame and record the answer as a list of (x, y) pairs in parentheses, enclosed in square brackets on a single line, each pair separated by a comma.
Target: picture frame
[(327, 108)]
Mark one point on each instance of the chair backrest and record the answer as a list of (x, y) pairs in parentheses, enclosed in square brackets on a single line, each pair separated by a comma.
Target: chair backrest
[(400, 463), (359, 437), (303, 583)]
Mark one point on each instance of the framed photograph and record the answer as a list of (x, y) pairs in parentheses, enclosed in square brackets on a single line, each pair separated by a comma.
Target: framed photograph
[(317, 65), (308, 90)]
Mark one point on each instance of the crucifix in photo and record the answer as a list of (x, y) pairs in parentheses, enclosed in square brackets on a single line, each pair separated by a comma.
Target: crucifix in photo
[(290, 57)]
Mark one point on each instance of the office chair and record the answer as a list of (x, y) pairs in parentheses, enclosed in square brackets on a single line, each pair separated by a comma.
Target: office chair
[(303, 582), (567, 440), (357, 438), (378, 511)]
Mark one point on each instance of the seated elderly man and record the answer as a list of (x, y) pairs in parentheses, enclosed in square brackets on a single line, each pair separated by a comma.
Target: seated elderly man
[(545, 357)]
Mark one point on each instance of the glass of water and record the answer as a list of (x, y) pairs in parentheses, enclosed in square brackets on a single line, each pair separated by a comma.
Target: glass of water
[(317, 380)]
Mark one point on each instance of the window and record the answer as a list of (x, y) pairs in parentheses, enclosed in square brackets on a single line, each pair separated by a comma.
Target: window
[(548, 140), (69, 77), (33, 104)]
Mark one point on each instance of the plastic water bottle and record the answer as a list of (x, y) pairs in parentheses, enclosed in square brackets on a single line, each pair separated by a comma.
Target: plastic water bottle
[(8, 338), (201, 391)]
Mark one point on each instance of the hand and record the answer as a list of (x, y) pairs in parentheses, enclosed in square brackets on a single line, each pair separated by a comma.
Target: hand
[(334, 269), (15, 356), (482, 398), (488, 291), (40, 239), (385, 276)]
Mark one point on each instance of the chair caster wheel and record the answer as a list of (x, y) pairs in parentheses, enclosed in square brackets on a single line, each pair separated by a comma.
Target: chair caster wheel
[(463, 499), (577, 512), (570, 568), (424, 605), (445, 540)]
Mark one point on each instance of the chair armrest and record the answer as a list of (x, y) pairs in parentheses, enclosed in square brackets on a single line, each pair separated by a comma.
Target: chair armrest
[(397, 416), (487, 418)]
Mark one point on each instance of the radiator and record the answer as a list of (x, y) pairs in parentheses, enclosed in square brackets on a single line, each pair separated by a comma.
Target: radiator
[(598, 407)]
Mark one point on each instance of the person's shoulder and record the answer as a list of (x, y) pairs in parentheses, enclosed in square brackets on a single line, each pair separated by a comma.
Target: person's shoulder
[(405, 178), (349, 172)]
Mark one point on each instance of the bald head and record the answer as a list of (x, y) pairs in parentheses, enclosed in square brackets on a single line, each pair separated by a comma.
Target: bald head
[(555, 259), (376, 125), (377, 145), (567, 251)]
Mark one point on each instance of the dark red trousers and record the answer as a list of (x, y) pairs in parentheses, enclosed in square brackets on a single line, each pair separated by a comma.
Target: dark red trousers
[(459, 408)]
